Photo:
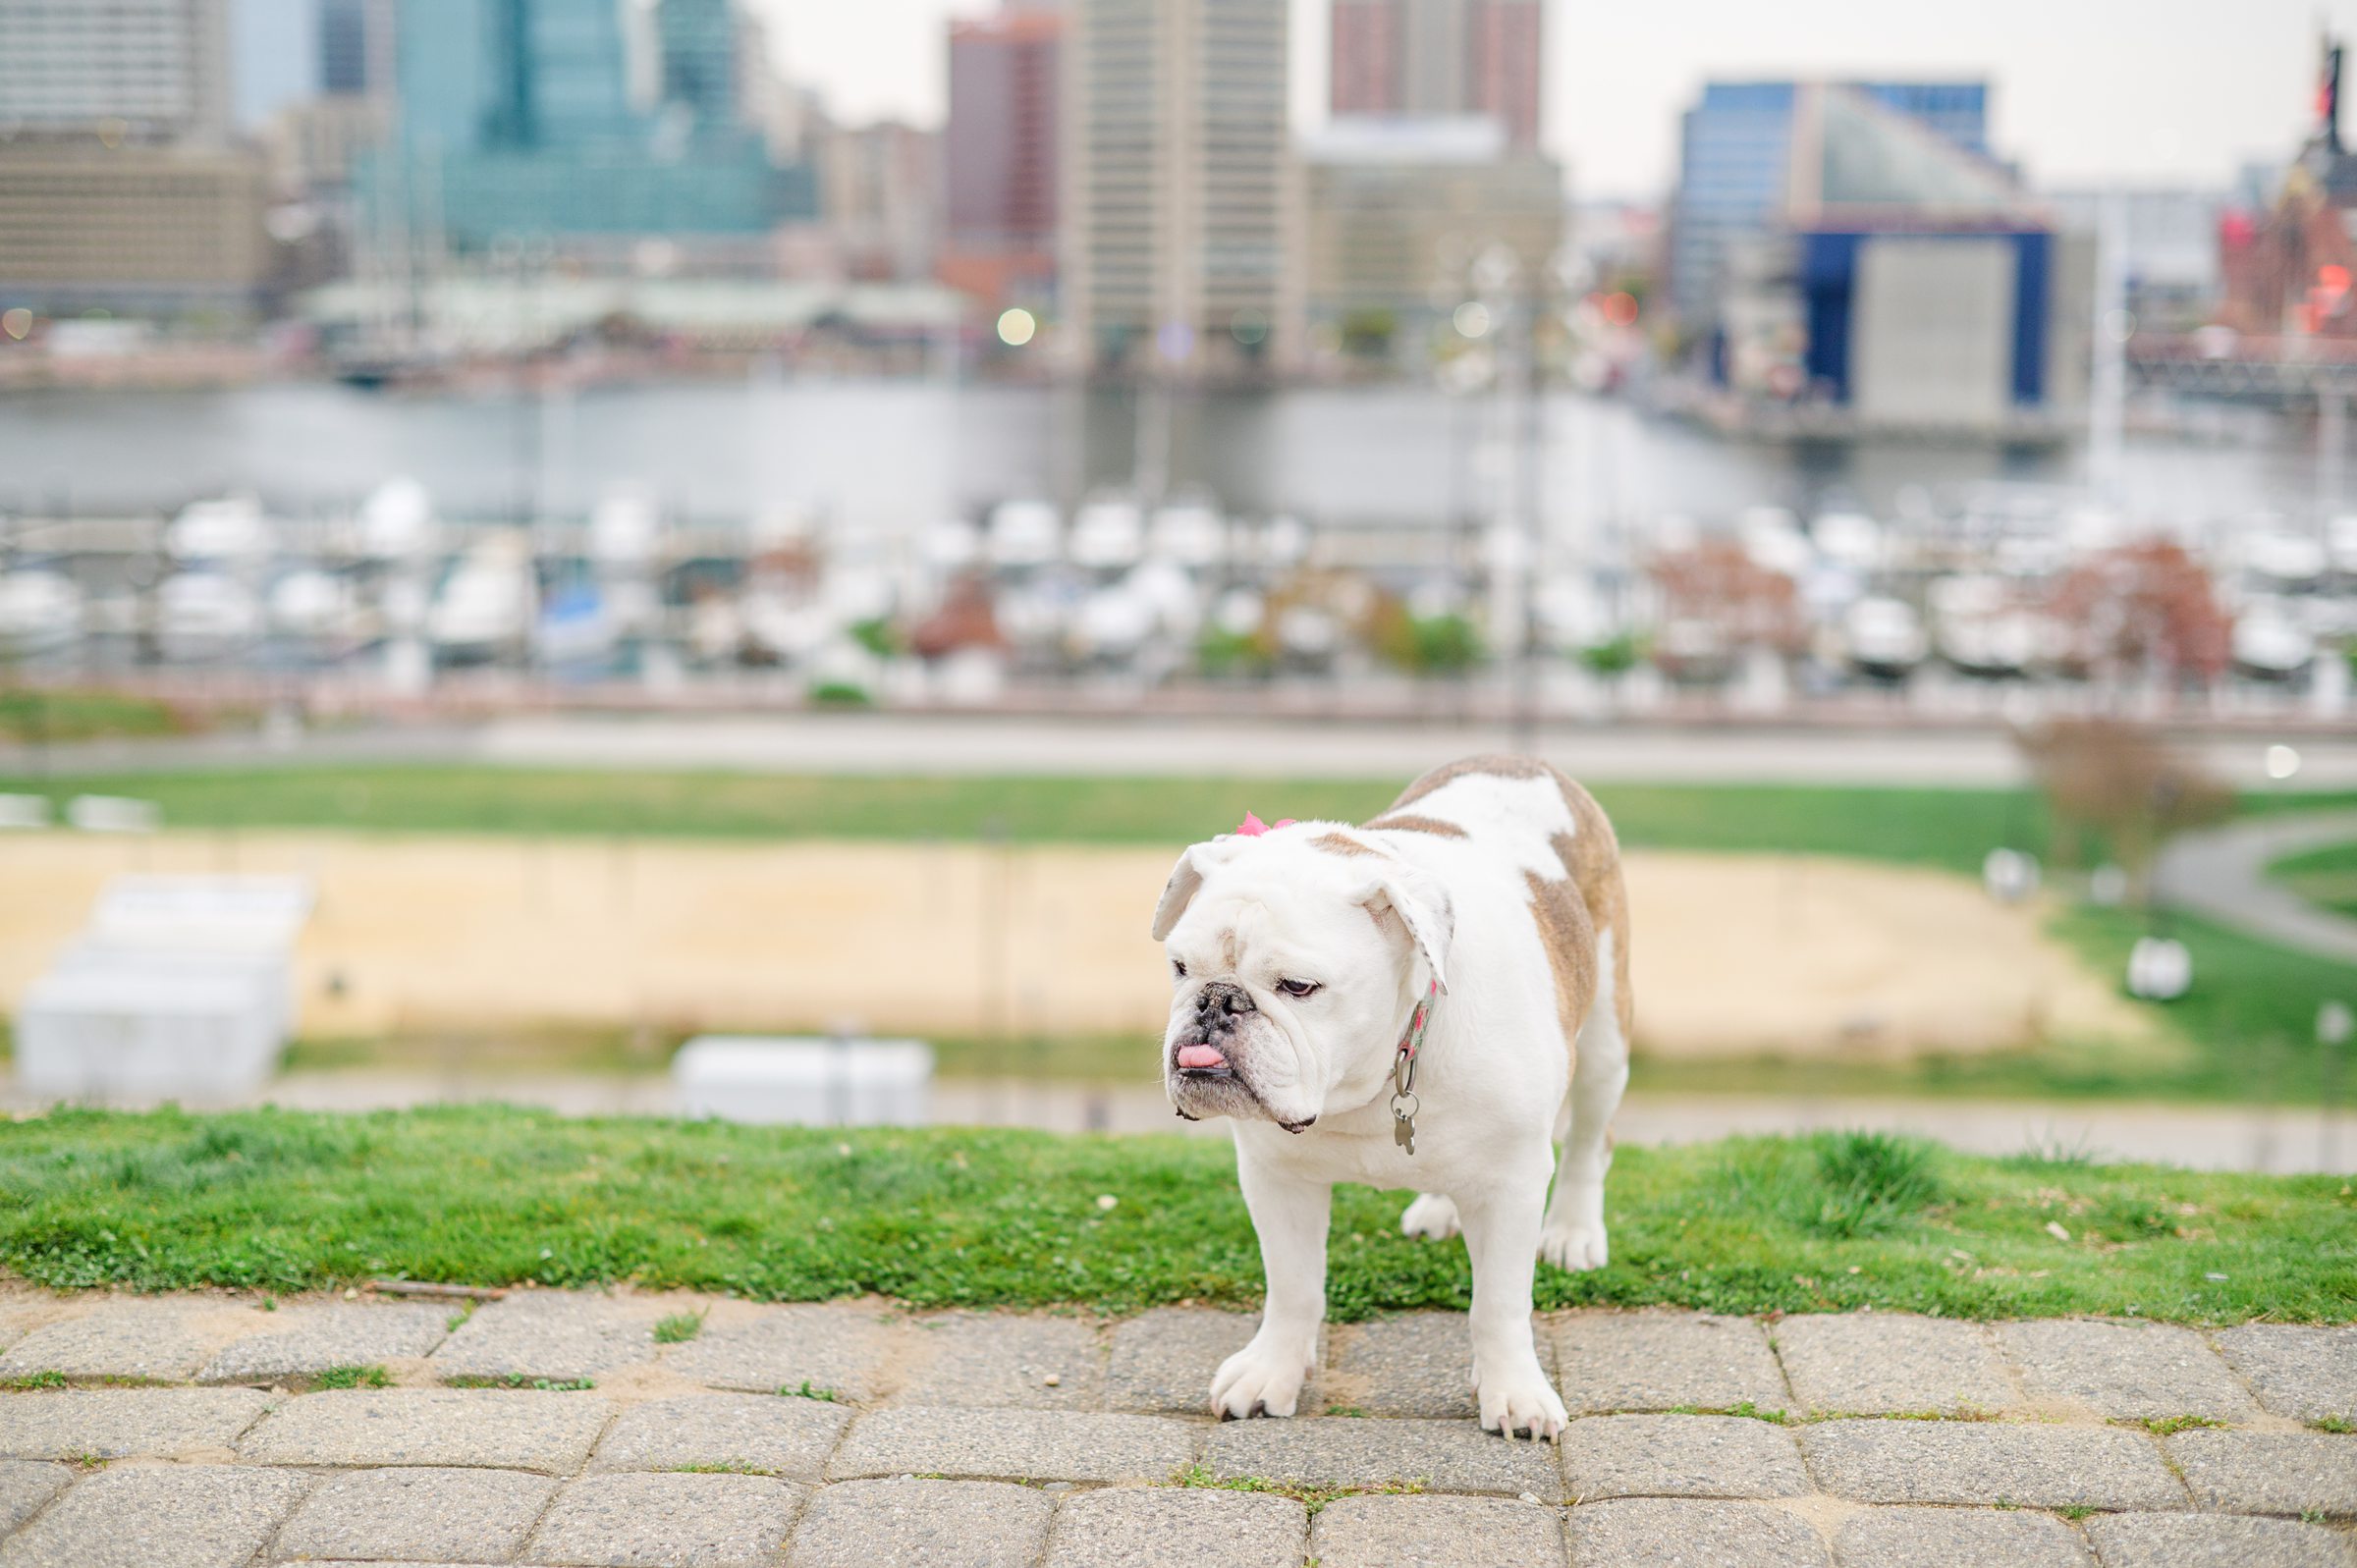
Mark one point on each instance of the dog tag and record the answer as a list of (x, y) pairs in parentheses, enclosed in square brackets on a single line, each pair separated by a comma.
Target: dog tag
[(1403, 1129)]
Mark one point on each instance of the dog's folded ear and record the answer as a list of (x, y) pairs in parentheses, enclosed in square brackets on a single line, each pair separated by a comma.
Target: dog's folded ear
[(1186, 877), (1422, 905)]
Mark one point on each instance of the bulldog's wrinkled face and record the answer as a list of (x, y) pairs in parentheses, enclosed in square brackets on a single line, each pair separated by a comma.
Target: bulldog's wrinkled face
[(1289, 969)]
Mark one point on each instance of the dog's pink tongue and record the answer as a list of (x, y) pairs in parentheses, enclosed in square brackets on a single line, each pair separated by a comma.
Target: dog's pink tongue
[(1200, 1056)]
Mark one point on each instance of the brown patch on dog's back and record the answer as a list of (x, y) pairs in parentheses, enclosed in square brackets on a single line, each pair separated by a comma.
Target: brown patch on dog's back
[(1409, 822), (1587, 902), (1343, 845), (1496, 766)]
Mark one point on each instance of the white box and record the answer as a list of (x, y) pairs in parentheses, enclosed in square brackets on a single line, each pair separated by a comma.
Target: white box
[(118, 1032), (804, 1080)]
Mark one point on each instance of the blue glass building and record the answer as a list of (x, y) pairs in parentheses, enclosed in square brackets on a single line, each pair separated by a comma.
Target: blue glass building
[(524, 120), (1736, 166)]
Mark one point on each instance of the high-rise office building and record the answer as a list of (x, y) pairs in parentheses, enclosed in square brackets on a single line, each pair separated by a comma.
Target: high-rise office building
[(119, 189), (355, 47), (575, 120), (1440, 57), (137, 70), (1178, 214), (1001, 155)]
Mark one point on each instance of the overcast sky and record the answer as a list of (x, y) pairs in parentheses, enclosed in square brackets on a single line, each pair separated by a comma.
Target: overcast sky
[(2084, 91)]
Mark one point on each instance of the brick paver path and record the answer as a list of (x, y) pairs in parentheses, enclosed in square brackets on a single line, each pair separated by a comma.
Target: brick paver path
[(559, 1429)]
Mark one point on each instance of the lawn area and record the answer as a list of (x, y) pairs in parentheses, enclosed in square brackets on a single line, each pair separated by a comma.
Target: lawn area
[(27, 715), (2326, 875), (1952, 827), (484, 1194)]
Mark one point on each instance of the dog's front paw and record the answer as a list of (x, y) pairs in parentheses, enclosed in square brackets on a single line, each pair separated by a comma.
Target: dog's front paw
[(1431, 1216), (1521, 1400), (1260, 1380), (1575, 1246)]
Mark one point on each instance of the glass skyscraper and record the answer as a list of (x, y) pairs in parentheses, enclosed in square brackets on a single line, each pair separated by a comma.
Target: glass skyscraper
[(527, 120), (1735, 171)]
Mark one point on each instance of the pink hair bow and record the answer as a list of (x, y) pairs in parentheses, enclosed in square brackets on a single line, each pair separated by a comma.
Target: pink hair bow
[(1252, 826)]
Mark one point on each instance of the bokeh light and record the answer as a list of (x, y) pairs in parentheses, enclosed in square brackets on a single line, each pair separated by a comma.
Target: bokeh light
[(1016, 327), (1472, 319)]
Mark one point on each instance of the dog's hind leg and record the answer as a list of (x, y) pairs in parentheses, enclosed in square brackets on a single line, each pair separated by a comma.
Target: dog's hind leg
[(1573, 1237), (1432, 1216)]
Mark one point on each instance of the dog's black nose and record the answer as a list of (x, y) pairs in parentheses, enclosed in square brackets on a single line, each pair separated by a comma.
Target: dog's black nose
[(1220, 1001)]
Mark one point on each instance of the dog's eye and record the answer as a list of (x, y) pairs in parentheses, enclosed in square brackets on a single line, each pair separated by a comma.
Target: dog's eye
[(1178, 969), (1298, 988)]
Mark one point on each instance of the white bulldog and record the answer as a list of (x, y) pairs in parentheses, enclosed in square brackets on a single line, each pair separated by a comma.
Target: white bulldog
[(1409, 1004)]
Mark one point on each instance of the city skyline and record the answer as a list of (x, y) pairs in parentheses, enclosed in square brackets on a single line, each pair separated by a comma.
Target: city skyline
[(2164, 92)]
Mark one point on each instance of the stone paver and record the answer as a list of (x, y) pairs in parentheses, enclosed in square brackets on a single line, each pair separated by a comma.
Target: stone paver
[(1877, 1364), (1987, 1462), (832, 1349), (1956, 1537), (409, 1515), (159, 1516), (153, 1341), (17, 1322), (1418, 1364), (1164, 1360), (1608, 1361), (1014, 1445), (551, 1334), (1435, 1532), (1344, 1451), (114, 1423), (2207, 1540), (25, 1485), (783, 1436), (1658, 1532), (304, 1341), (1680, 1456), (994, 1362), (2299, 1370), (922, 1524), (2136, 1371), (521, 1428), (1176, 1526), (2269, 1472), (651, 1521)]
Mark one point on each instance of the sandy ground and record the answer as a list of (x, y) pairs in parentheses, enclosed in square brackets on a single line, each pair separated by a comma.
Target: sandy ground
[(1733, 953)]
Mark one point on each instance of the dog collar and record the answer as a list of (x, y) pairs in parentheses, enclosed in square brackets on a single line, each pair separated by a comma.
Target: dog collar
[(1405, 1103)]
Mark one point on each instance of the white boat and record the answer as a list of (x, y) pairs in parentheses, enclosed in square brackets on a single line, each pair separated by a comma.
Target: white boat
[(205, 615), (1191, 532), (396, 522), (1109, 535), (2269, 644), (2278, 559), (1772, 539), (625, 530), (312, 604), (230, 530), (1979, 627), (40, 611), (1884, 637), (1024, 533), (487, 607), (1849, 539)]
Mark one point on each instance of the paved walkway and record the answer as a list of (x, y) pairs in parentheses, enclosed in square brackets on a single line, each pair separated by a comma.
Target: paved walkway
[(1114, 745), (2223, 875), (551, 1427)]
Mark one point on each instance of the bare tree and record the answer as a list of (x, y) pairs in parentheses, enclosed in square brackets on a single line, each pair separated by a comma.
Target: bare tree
[(2145, 610), (2119, 785)]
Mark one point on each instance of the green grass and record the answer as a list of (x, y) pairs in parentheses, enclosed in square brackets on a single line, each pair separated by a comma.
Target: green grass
[(517, 1380), (27, 715), (1312, 1498), (354, 1378), (1952, 827), (295, 1200), (679, 1327), (2326, 875)]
